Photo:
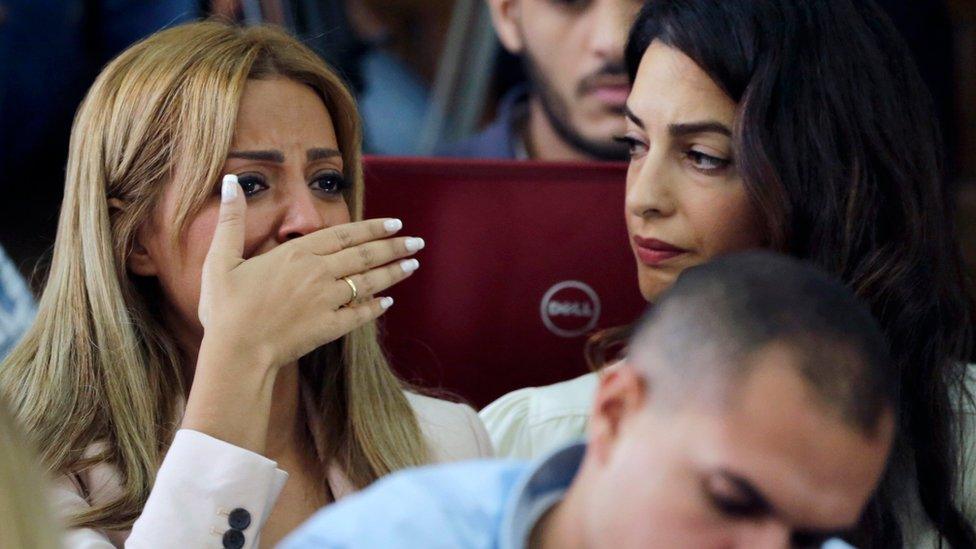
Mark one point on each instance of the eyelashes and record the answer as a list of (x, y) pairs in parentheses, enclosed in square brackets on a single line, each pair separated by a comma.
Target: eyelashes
[(251, 184), (632, 144), (328, 183), (571, 4), (734, 508), (706, 162), (700, 161)]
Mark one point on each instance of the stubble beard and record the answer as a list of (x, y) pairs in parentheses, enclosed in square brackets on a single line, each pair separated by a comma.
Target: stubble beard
[(557, 113)]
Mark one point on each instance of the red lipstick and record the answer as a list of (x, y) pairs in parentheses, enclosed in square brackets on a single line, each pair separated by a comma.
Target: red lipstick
[(653, 252)]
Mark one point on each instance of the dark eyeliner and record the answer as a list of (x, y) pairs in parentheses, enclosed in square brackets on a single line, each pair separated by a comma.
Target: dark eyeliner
[(631, 143), (705, 156), (734, 508), (697, 157), (250, 182), (334, 177)]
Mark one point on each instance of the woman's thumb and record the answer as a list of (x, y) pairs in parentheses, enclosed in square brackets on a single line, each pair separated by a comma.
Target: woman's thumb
[(227, 247)]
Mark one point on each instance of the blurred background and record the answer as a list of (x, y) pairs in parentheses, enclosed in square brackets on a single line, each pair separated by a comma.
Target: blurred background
[(427, 73)]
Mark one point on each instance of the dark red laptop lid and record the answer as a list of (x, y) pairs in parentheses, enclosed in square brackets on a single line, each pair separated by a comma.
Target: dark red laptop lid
[(523, 261)]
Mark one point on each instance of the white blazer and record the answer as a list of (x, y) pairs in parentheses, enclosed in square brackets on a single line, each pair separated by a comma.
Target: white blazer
[(209, 493)]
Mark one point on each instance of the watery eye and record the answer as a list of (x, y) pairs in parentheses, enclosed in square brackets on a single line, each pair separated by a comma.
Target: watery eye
[(331, 183), (251, 184)]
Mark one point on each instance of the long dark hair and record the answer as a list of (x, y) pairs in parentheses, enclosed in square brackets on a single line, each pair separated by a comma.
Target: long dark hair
[(836, 141)]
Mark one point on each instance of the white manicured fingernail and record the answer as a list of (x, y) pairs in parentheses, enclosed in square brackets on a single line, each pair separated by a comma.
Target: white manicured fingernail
[(414, 244), (386, 302), (228, 189), (409, 265), (392, 225)]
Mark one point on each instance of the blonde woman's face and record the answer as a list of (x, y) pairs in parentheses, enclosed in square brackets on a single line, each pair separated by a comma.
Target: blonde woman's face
[(286, 156)]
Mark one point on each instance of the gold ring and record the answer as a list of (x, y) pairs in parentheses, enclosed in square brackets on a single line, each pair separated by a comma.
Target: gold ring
[(352, 286)]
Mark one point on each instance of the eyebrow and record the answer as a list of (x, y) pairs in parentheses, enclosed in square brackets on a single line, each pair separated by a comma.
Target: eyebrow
[(708, 126), (321, 154), (265, 156), (687, 128), (636, 119), (278, 157)]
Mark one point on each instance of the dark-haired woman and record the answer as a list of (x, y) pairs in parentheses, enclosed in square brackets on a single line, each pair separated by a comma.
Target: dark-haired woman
[(802, 127)]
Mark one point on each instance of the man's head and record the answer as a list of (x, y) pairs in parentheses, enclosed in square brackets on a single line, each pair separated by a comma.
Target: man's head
[(755, 409), (573, 53)]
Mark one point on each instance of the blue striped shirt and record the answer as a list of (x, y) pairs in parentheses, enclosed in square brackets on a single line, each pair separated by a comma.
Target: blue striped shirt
[(16, 305)]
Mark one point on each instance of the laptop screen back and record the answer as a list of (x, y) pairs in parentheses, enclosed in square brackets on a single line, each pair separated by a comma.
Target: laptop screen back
[(523, 261)]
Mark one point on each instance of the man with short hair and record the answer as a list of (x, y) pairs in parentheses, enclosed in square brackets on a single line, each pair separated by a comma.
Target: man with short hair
[(755, 409), (572, 108)]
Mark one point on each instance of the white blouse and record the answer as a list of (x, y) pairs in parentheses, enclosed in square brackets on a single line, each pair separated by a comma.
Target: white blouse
[(209, 493), (529, 423)]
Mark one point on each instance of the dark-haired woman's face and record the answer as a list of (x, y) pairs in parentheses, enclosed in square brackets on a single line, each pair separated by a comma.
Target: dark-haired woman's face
[(685, 201)]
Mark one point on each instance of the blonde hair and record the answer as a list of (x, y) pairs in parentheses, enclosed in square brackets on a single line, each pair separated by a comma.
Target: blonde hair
[(25, 519), (97, 366)]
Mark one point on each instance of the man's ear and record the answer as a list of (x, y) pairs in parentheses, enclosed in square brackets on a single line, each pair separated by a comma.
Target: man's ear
[(139, 262), (623, 393), (506, 16)]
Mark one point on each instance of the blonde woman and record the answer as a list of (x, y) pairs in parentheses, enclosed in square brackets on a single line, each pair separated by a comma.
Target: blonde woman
[(25, 519), (206, 330)]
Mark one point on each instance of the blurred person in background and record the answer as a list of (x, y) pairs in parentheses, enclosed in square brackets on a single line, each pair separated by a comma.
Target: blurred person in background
[(50, 52), (204, 367), (392, 95), (572, 106), (26, 521), (403, 40), (16, 305), (386, 50), (756, 411), (748, 128)]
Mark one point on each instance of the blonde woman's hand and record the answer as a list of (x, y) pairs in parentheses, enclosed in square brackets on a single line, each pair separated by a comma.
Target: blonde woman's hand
[(267, 311)]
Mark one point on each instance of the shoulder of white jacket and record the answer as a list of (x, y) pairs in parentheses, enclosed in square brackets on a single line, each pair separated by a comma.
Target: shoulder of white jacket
[(436, 410)]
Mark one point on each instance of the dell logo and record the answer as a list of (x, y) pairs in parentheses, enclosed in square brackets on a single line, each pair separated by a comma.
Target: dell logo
[(570, 309)]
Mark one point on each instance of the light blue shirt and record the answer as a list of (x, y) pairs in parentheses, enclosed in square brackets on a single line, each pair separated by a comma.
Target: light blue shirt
[(472, 504), (16, 305)]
